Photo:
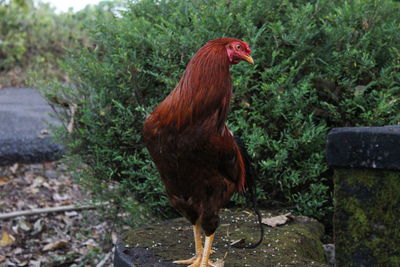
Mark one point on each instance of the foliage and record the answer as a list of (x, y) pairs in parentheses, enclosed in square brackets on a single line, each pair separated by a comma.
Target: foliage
[(319, 64), (33, 36)]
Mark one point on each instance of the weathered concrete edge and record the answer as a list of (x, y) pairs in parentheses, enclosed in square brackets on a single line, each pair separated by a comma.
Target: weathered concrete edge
[(29, 149), (364, 147), (120, 258)]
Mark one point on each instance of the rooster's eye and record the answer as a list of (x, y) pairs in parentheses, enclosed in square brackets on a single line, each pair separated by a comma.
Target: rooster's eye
[(238, 47)]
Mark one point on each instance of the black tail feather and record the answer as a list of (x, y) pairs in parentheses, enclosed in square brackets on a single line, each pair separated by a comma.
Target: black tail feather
[(251, 177)]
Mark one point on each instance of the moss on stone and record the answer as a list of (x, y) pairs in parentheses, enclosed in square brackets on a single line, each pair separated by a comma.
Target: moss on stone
[(296, 243), (367, 216)]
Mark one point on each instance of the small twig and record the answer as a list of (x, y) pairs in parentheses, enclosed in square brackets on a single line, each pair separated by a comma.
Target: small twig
[(46, 210), (72, 109), (104, 260)]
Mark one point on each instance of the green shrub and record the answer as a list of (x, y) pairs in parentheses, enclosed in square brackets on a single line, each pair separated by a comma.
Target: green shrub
[(319, 64), (33, 37)]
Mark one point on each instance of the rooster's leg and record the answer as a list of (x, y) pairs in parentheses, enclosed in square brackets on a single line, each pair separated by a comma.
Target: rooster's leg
[(199, 248), (207, 251)]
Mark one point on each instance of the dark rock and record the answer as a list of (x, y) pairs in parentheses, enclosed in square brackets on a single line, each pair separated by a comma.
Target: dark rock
[(296, 243), (368, 147), (24, 132)]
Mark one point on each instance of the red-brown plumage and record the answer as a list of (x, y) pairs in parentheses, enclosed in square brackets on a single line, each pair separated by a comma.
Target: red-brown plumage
[(186, 135)]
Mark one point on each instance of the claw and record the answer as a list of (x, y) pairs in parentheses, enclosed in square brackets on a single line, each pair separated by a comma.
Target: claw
[(188, 261), (211, 264), (194, 262)]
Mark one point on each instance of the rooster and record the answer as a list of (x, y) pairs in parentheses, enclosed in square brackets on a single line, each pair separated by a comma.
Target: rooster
[(197, 156)]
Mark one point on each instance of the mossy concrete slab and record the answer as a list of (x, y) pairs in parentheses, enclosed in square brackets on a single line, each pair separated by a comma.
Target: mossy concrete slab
[(367, 212), (294, 244)]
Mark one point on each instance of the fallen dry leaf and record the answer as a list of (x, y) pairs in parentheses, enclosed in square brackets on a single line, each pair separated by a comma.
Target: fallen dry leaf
[(39, 180), (14, 168), (3, 180), (37, 227), (17, 251), (34, 263), (48, 186), (90, 243), (48, 165), (55, 245), (67, 220), (6, 239), (66, 202), (33, 233), (276, 220), (8, 263), (15, 228), (58, 197), (24, 225), (20, 263)]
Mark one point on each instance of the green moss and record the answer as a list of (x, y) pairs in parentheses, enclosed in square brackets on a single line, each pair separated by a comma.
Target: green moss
[(366, 217), (297, 243)]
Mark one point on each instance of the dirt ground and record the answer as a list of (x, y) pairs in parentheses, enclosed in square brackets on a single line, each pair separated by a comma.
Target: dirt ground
[(69, 238)]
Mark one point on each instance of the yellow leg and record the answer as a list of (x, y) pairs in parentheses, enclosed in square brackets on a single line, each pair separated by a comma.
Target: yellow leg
[(207, 251), (195, 261), (197, 239)]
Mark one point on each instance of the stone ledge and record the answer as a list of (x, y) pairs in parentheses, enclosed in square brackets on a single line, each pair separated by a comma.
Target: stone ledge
[(364, 147), (296, 243)]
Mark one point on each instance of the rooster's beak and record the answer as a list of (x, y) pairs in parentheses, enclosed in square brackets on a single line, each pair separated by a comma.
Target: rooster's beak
[(248, 58)]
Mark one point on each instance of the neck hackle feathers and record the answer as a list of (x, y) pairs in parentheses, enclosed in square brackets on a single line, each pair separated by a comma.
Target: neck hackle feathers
[(205, 89)]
